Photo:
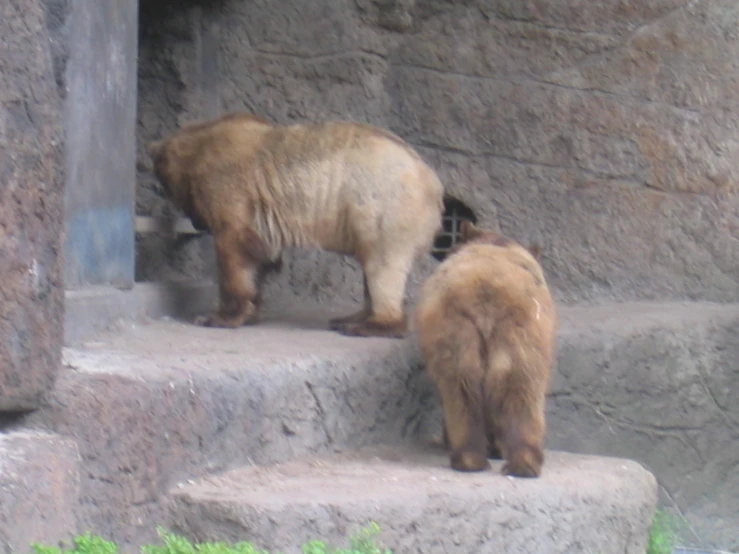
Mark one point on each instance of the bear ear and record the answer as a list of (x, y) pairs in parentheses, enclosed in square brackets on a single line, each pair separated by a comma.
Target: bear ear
[(535, 250), (468, 231)]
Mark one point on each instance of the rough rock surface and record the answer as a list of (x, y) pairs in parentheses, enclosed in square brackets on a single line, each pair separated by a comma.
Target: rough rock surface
[(157, 404), (580, 504), (168, 31), (39, 483), (31, 207), (657, 383), (153, 405), (606, 131)]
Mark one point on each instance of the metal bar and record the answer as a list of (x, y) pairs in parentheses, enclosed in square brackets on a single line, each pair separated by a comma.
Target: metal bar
[(147, 224)]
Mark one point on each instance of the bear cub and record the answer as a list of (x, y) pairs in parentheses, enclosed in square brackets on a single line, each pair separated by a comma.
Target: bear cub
[(486, 326), (260, 188)]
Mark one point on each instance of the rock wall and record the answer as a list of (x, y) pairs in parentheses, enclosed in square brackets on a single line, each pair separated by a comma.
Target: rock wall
[(169, 94), (39, 487), (31, 209), (605, 131)]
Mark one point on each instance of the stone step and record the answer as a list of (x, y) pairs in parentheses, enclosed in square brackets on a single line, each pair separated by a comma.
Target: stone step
[(657, 382), (160, 402), (581, 504), (39, 485), (155, 403)]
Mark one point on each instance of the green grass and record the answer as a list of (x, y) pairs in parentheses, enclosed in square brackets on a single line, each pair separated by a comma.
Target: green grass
[(663, 533), (663, 536), (362, 542)]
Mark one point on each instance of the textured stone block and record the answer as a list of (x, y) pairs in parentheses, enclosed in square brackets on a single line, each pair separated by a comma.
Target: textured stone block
[(155, 404), (580, 504), (31, 209), (38, 490)]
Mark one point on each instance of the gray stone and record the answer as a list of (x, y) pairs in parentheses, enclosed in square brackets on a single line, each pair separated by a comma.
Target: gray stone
[(31, 207), (39, 480), (91, 310), (580, 504), (657, 383)]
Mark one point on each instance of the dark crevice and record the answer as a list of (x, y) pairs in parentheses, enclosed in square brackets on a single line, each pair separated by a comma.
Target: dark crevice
[(455, 211)]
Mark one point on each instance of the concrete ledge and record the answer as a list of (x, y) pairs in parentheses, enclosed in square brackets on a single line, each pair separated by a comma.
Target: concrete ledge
[(38, 489), (580, 504), (92, 310)]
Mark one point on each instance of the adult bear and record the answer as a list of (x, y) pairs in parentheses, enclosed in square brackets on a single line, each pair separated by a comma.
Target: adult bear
[(341, 186)]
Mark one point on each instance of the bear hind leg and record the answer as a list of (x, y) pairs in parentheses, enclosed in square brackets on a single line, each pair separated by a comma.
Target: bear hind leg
[(464, 427), (386, 279), (520, 427)]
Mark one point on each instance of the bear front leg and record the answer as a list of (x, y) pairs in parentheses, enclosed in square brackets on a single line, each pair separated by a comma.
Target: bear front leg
[(238, 285)]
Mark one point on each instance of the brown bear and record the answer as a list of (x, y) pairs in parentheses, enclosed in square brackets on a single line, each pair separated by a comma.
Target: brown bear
[(486, 327), (341, 186)]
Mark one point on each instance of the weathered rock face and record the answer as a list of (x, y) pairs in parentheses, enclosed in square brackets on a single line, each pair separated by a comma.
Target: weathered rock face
[(604, 130), (579, 504), (31, 207), (39, 485), (656, 382)]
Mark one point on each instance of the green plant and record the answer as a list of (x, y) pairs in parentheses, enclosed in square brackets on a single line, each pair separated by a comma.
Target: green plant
[(174, 544), (363, 542), (662, 533), (83, 544)]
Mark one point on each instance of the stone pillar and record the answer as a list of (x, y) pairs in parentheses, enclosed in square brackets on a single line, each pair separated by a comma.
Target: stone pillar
[(100, 149)]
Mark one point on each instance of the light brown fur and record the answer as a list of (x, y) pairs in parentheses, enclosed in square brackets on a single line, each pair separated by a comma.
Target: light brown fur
[(346, 187), (486, 326)]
